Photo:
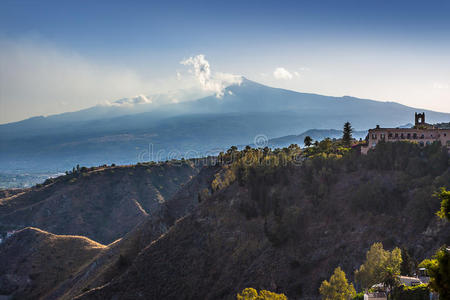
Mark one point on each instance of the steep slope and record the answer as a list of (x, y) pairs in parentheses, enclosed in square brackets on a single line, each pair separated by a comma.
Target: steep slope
[(35, 261), (286, 230), (111, 261), (100, 203), (117, 258)]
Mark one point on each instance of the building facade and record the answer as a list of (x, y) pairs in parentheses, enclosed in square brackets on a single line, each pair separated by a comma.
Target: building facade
[(422, 133)]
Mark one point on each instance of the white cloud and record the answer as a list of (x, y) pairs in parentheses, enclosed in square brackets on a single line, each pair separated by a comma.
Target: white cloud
[(139, 99), (441, 85), (214, 82), (282, 73), (296, 74), (37, 78)]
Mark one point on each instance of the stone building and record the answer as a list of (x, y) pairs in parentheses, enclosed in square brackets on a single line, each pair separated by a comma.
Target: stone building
[(422, 133)]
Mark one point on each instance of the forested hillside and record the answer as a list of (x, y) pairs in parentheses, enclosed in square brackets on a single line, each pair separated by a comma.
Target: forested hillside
[(279, 220)]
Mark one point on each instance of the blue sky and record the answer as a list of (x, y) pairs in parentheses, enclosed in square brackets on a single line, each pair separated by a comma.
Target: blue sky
[(65, 55)]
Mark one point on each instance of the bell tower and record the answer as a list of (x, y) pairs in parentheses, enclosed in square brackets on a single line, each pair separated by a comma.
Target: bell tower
[(419, 119)]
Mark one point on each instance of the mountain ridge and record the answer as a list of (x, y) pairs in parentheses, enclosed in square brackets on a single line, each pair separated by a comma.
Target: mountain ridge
[(181, 129), (73, 204), (213, 98)]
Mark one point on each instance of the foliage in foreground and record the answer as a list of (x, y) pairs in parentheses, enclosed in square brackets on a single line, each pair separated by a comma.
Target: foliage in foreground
[(418, 292), (252, 294), (438, 269), (444, 213), (337, 288), (380, 266), (359, 296)]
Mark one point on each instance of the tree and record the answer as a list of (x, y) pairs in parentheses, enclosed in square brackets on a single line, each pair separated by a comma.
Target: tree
[(444, 213), (347, 134), (377, 262), (325, 145), (390, 278), (307, 141), (438, 269), (337, 288), (408, 265), (252, 294)]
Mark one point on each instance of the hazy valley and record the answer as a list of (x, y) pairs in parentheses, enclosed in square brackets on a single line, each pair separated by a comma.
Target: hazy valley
[(188, 129)]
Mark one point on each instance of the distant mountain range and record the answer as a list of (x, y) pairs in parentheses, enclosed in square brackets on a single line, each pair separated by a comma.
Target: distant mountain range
[(141, 128), (315, 134)]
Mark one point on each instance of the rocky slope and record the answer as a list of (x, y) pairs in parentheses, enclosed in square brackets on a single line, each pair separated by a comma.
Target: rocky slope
[(283, 228), (100, 203), (106, 264), (217, 251), (35, 261), (118, 257), (286, 228)]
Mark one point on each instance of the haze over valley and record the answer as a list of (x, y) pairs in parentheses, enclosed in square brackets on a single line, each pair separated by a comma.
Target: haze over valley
[(144, 131)]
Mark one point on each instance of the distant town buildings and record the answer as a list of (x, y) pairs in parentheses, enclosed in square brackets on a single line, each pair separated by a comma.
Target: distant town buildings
[(422, 133)]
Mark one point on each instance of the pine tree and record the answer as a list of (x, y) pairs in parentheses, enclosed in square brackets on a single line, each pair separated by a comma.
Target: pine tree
[(307, 141), (407, 266), (347, 134)]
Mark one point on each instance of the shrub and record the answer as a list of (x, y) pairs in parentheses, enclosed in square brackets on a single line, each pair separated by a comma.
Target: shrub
[(444, 195), (359, 296), (252, 294), (418, 292)]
